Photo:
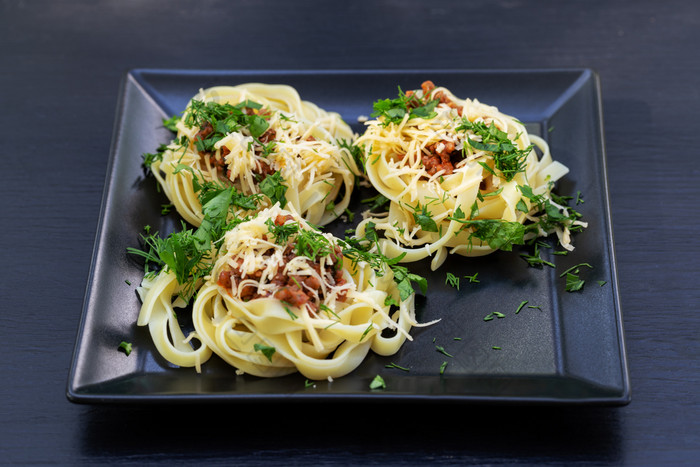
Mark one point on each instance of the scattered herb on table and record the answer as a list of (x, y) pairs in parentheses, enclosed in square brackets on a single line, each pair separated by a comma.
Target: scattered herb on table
[(494, 314), (452, 280), (442, 350), (398, 367)]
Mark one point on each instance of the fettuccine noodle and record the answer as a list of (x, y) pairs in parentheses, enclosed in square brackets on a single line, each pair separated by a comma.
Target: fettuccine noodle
[(282, 298), (276, 131), (441, 175)]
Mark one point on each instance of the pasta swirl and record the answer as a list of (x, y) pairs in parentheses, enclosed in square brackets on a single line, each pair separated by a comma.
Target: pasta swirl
[(281, 298), (260, 138), (461, 177)]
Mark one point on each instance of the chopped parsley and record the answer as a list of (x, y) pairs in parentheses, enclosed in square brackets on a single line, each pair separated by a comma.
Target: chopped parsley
[(377, 383), (272, 187), (222, 119), (452, 280), (394, 110), (573, 282), (171, 123), (356, 152), (473, 278), (422, 217), (520, 307), (376, 202), (508, 159), (497, 233), (267, 350), (366, 249), (398, 367), (149, 158), (494, 314), (189, 253), (534, 259), (125, 347)]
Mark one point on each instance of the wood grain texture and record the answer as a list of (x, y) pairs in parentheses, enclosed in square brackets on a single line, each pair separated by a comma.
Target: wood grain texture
[(59, 79)]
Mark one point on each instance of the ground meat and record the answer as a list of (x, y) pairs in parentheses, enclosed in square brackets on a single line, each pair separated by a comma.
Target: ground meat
[(225, 278), (268, 136), (292, 295), (296, 290), (264, 169), (205, 130), (281, 220), (218, 162), (440, 156)]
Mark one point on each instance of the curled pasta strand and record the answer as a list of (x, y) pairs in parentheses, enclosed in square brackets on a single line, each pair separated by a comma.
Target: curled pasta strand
[(432, 172)]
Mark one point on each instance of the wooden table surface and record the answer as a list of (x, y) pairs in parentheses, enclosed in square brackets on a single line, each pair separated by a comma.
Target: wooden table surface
[(62, 64)]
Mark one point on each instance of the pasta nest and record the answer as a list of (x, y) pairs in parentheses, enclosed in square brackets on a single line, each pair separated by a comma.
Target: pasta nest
[(282, 298), (307, 145), (434, 170)]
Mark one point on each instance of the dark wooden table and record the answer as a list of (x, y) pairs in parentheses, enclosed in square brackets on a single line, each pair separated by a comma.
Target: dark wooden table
[(60, 71)]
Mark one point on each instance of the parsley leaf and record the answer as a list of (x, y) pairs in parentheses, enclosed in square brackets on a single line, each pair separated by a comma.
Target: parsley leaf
[(573, 282), (363, 249), (423, 218), (376, 202), (377, 383), (394, 110), (171, 123), (266, 350), (452, 280), (272, 187), (125, 347), (499, 234)]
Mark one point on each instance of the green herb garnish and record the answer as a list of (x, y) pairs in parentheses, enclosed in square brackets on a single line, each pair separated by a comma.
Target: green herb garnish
[(508, 159), (442, 350), (266, 350), (394, 110), (452, 280), (494, 314), (377, 383), (125, 347), (273, 187)]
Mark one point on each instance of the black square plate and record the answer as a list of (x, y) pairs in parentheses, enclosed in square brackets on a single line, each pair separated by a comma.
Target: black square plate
[(560, 348)]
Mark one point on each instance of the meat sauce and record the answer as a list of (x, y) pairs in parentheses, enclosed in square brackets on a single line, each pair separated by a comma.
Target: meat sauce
[(296, 290), (440, 156)]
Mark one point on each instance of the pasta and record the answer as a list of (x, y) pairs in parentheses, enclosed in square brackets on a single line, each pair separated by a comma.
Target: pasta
[(282, 297), (260, 138), (258, 172), (461, 177)]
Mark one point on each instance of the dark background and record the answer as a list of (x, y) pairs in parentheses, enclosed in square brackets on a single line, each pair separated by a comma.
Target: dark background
[(60, 71)]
